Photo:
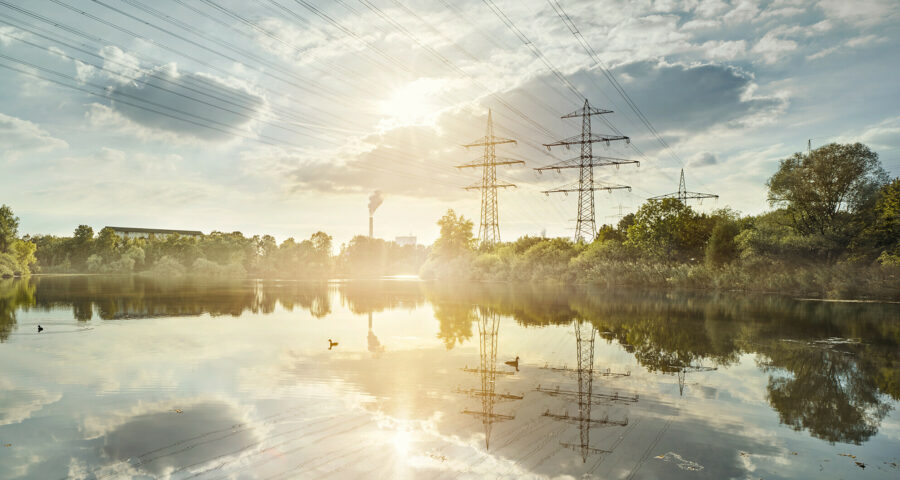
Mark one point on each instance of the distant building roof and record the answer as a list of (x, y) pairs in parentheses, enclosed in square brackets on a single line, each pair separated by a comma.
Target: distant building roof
[(156, 230)]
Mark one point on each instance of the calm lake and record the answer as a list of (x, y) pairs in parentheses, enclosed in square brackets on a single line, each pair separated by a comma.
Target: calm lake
[(140, 378)]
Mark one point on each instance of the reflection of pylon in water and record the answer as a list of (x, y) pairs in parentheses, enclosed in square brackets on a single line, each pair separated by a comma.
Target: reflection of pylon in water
[(682, 372), (374, 345), (585, 352), (584, 339), (488, 325)]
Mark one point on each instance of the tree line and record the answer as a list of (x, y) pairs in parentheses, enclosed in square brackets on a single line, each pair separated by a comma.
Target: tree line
[(218, 254), (834, 230)]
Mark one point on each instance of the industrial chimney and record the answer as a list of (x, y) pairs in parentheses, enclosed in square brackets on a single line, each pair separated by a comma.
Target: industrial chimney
[(374, 202)]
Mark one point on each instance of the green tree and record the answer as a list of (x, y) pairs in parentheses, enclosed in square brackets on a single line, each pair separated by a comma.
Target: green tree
[(456, 236), (24, 253), (105, 244), (881, 236), (722, 247), (668, 229), (816, 188), (9, 227)]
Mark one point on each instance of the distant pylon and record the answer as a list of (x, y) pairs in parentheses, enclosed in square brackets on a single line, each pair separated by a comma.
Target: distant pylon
[(683, 195), (586, 226), (489, 228)]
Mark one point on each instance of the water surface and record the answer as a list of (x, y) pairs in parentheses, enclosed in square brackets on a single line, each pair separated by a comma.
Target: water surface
[(140, 378)]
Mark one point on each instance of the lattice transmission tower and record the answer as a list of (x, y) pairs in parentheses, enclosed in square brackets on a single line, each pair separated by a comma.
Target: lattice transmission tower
[(489, 228), (586, 225), (683, 195)]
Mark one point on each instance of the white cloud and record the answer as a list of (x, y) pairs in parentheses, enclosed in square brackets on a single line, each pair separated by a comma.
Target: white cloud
[(744, 11), (119, 65), (8, 33), (773, 49), (727, 50), (861, 12), (710, 8), (18, 137), (884, 135)]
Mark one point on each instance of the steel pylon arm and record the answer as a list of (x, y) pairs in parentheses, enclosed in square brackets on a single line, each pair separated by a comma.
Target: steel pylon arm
[(478, 186), (596, 161), (582, 448), (685, 196), (492, 140), (577, 187), (582, 139), (590, 111), (479, 162)]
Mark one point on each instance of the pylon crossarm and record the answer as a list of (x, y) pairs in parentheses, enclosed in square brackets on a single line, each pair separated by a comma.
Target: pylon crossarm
[(594, 161), (500, 161), (582, 139), (578, 447), (590, 111), (692, 368), (479, 186), (484, 141), (685, 195), (592, 421), (473, 392), (490, 417), (601, 397), (577, 188)]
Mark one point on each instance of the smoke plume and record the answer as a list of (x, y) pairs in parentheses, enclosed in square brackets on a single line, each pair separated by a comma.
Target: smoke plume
[(375, 200)]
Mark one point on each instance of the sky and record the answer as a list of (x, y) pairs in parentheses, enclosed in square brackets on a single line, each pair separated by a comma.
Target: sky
[(282, 117)]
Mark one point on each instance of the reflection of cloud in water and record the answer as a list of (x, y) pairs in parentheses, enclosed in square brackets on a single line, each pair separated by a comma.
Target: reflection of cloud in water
[(161, 442), (17, 405)]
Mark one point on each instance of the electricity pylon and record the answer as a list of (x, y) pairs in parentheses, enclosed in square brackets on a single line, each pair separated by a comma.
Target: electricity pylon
[(683, 195), (489, 228), (488, 325), (584, 396), (586, 226)]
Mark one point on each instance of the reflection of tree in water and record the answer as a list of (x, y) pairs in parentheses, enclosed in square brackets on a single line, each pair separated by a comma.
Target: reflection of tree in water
[(454, 323), (825, 391), (363, 297), (838, 397), (14, 294), (122, 297)]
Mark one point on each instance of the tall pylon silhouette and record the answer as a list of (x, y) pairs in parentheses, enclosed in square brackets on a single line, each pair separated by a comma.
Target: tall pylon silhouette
[(489, 228), (586, 225), (488, 326)]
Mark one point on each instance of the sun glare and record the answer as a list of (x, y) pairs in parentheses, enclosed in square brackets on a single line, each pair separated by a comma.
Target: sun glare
[(411, 104), (403, 441)]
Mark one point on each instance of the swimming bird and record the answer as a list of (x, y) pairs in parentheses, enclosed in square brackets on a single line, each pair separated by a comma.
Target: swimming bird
[(331, 344), (514, 363), (40, 329)]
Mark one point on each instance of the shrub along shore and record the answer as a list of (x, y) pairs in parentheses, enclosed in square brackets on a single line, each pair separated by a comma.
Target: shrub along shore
[(833, 232)]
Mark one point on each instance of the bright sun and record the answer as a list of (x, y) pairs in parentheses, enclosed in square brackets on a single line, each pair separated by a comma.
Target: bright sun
[(411, 103)]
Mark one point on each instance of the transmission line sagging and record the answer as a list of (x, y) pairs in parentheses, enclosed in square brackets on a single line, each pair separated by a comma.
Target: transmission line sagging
[(489, 228), (586, 225)]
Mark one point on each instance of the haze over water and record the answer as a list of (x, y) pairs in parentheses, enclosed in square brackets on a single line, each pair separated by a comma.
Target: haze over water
[(142, 378)]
